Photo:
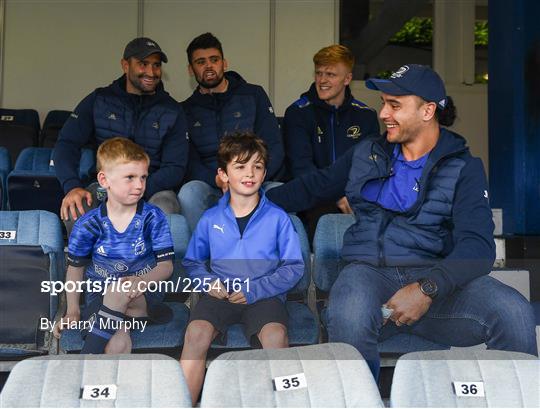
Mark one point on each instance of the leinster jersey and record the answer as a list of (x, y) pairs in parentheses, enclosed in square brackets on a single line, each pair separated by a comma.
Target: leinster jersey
[(95, 242)]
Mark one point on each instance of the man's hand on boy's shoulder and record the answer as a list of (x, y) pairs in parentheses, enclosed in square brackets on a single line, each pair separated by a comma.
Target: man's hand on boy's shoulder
[(238, 298), (73, 203), (218, 290)]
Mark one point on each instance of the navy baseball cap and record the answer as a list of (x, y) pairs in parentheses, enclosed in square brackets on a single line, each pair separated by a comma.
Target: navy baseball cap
[(413, 79), (142, 47)]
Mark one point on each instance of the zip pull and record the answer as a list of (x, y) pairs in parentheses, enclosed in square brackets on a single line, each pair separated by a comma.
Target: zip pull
[(319, 133)]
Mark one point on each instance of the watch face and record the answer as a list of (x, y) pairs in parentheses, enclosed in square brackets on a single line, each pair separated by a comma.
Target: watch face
[(428, 287)]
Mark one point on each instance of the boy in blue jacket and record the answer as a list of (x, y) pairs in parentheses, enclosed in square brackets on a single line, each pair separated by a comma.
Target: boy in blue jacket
[(254, 258)]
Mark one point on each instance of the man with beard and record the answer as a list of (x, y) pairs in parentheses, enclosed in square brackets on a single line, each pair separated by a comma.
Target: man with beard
[(134, 106), (422, 244), (325, 122), (222, 103)]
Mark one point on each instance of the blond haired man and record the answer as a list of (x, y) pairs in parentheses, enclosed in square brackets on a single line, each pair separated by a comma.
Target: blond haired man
[(326, 121)]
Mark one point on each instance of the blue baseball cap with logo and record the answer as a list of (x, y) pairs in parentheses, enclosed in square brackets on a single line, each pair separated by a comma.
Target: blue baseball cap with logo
[(413, 79), (142, 47)]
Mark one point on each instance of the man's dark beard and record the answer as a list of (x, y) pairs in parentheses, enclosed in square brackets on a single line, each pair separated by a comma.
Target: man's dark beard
[(212, 84)]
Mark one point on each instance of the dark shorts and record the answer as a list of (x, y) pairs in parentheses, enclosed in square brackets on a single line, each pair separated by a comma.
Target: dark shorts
[(222, 314), (158, 312)]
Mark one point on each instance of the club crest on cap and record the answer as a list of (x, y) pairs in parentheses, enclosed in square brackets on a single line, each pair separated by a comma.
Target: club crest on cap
[(399, 73)]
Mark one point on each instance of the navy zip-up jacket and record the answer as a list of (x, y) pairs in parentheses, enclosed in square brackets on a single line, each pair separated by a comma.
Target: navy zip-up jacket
[(317, 133), (155, 122), (243, 107), (266, 258), (449, 229)]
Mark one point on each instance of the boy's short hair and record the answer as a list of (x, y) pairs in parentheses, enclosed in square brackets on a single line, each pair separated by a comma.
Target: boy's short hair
[(204, 41), (119, 150), (334, 54), (242, 146)]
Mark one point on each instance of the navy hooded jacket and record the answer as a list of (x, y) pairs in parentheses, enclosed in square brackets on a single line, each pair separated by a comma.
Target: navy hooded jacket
[(243, 107), (449, 229), (317, 133), (156, 122)]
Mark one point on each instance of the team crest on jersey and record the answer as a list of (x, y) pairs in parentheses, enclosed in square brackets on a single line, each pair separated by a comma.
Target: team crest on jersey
[(139, 248), (354, 132), (120, 267)]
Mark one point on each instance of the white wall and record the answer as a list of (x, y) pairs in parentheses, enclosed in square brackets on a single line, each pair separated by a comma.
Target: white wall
[(302, 29), (56, 52)]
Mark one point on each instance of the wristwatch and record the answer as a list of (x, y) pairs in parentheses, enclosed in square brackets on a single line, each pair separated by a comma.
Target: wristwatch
[(428, 287)]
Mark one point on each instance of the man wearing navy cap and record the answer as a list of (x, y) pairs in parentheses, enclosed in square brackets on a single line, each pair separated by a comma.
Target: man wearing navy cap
[(422, 245), (134, 106)]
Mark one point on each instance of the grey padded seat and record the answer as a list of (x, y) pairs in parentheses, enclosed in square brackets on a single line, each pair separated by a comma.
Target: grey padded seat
[(336, 376), (144, 380), (425, 379)]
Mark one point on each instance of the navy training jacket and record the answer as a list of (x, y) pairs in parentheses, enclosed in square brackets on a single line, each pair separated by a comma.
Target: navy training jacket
[(316, 134), (242, 107), (449, 229), (155, 122)]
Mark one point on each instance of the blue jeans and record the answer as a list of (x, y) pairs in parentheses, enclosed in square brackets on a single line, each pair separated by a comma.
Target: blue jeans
[(484, 311), (197, 196)]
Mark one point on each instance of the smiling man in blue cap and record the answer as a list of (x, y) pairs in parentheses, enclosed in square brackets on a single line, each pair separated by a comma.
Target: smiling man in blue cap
[(422, 245)]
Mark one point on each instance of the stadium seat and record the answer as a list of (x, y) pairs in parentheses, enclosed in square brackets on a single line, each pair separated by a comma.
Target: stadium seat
[(54, 121), (146, 380), (5, 168), (335, 375), (428, 379), (19, 129), (303, 328), (31, 252), (33, 185), (155, 337), (327, 264)]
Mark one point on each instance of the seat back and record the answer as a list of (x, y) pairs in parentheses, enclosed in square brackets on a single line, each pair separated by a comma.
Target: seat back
[(31, 250), (327, 245), (426, 379), (142, 380), (19, 129), (335, 375), (33, 183), (181, 235), (302, 285), (5, 168), (54, 121)]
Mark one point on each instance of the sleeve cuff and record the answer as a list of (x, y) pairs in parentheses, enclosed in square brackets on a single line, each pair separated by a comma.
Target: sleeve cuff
[(444, 285), (77, 261), (165, 254), (72, 184)]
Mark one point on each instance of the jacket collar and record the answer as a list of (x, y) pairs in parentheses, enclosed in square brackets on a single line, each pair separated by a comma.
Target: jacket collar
[(449, 143), (216, 100), (313, 97)]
